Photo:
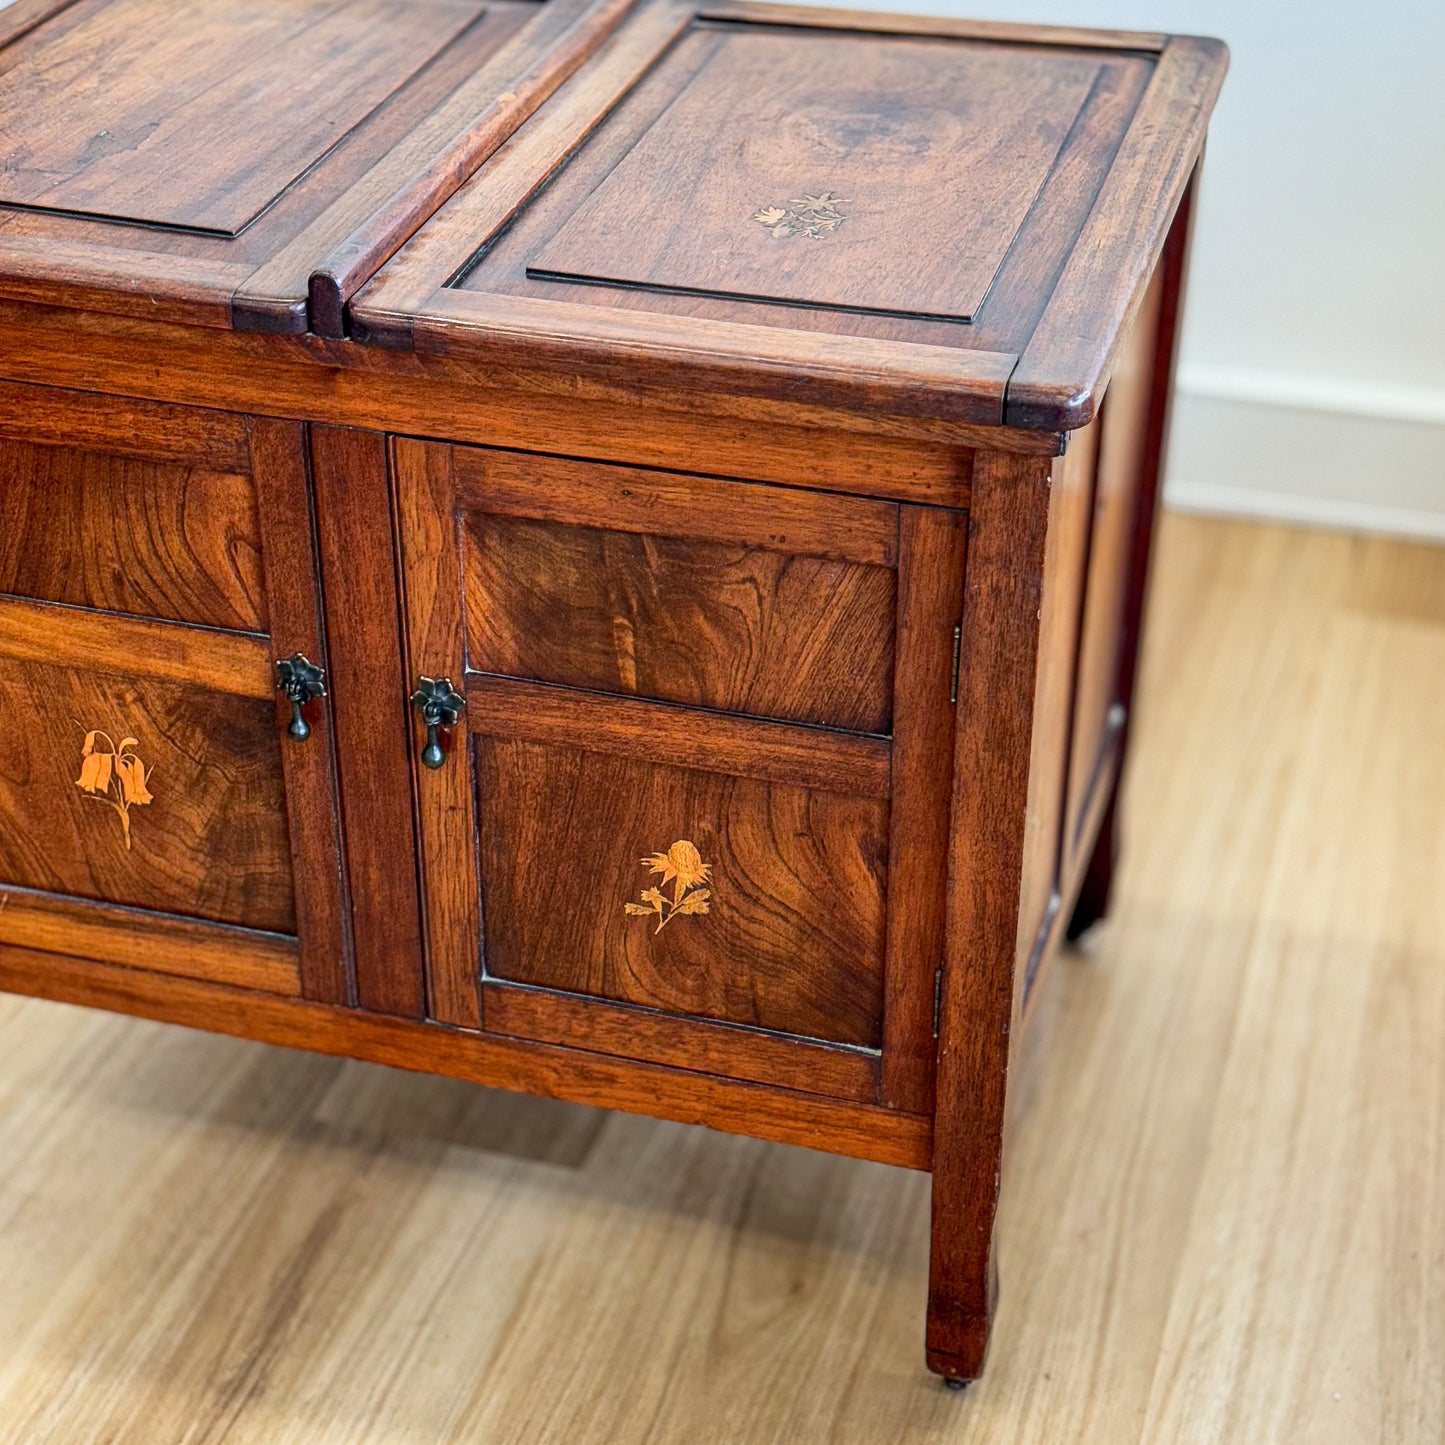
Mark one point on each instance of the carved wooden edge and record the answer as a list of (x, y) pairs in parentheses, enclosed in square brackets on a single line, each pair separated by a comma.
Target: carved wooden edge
[(792, 520), (459, 137), (733, 1106), (87, 276), (238, 663), (369, 713), (1067, 362), (410, 305), (1003, 593), (143, 938), (855, 451), (932, 546), (433, 635), (280, 468), (727, 358), (795, 754), (706, 1046), (156, 431), (22, 16), (869, 22)]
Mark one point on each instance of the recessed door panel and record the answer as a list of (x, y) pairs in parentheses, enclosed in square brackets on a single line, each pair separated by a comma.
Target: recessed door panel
[(699, 847), (161, 805)]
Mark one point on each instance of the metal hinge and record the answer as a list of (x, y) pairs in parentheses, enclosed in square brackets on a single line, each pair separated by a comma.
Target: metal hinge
[(957, 646), (937, 999)]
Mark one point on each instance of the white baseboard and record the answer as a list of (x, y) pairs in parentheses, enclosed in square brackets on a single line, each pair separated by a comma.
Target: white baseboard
[(1247, 446)]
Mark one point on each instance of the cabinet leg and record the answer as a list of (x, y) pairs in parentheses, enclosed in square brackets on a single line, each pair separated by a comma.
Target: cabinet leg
[(962, 1293), (1093, 901)]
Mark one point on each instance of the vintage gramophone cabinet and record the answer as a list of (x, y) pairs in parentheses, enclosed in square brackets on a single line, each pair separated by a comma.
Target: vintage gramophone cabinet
[(593, 549)]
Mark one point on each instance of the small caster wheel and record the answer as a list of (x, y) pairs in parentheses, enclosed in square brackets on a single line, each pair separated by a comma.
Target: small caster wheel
[(949, 1383)]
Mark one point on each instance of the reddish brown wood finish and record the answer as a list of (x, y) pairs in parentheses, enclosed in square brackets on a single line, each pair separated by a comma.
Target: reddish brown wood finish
[(358, 566), (622, 224), (1008, 528), (1094, 879), (690, 507), (558, 791), (218, 163), (741, 599), (195, 821), (280, 463), (690, 1097)]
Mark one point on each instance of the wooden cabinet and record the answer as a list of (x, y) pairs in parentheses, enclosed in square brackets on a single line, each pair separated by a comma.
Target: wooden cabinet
[(155, 566), (707, 458)]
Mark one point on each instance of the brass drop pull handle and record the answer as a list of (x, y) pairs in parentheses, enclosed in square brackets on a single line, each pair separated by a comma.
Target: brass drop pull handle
[(301, 681), (440, 705)]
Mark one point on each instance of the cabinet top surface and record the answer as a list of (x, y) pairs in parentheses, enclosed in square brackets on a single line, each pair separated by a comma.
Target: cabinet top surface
[(964, 213), (214, 156)]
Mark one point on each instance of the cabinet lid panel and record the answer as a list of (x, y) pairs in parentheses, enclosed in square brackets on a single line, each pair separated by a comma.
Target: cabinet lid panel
[(129, 109), (825, 209), (833, 170), (202, 162)]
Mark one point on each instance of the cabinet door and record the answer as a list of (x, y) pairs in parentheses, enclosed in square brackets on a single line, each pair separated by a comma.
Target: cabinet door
[(155, 810), (694, 807)]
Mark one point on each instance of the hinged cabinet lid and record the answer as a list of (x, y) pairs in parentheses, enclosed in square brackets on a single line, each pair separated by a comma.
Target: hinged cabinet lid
[(203, 161), (940, 218)]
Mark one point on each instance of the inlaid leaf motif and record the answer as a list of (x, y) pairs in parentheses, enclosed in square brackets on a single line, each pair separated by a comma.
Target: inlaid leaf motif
[(682, 866), (114, 775), (809, 215), (695, 902)]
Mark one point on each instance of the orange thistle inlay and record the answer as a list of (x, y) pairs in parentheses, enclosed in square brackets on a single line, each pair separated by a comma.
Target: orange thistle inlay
[(681, 865), (113, 775)]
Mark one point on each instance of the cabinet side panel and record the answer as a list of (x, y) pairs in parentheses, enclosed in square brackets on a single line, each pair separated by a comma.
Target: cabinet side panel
[(1065, 570)]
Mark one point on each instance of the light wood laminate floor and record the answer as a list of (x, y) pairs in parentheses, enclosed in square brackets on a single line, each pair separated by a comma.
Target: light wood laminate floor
[(1224, 1196)]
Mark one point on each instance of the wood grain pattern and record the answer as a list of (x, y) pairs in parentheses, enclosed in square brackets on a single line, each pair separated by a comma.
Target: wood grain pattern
[(882, 455), (1000, 32), (584, 1022), (604, 235), (1067, 363), (793, 941), (1118, 488), (671, 504), (308, 769), (158, 942), (445, 806), (228, 662), (1096, 883), (369, 713), (933, 544), (124, 533), (125, 427), (728, 627), (421, 172), (744, 747), (903, 132), (1002, 599), (361, 116), (213, 842), (1066, 560), (158, 130)]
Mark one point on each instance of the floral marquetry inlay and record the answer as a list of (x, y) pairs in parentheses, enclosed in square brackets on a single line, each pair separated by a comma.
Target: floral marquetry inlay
[(814, 216), (682, 866), (114, 775)]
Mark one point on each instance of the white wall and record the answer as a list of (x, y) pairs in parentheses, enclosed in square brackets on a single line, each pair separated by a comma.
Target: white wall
[(1312, 380)]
